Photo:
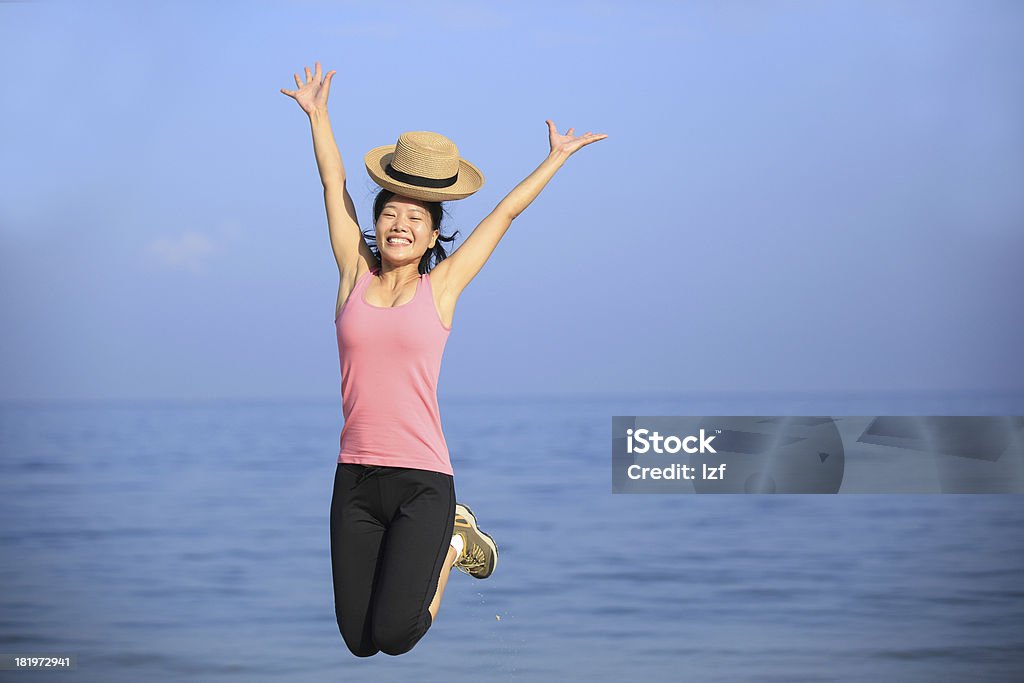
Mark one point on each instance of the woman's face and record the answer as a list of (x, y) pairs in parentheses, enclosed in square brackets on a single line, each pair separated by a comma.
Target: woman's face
[(404, 231)]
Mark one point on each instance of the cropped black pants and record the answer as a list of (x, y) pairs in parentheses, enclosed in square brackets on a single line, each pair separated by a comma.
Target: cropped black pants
[(391, 528)]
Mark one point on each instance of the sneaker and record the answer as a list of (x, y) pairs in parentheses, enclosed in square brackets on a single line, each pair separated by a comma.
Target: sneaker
[(480, 555)]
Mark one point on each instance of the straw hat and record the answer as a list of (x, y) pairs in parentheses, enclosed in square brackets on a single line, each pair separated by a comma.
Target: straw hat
[(423, 165)]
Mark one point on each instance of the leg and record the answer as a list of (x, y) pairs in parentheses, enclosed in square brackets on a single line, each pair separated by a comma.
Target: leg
[(356, 537), (442, 581), (416, 549)]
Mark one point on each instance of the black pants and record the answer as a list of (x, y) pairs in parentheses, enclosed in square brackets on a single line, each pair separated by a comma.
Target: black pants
[(391, 528)]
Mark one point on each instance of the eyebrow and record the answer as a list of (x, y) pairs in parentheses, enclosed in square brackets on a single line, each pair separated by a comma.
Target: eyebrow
[(411, 208)]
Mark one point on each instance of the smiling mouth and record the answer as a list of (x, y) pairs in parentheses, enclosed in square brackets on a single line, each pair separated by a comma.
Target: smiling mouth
[(398, 241)]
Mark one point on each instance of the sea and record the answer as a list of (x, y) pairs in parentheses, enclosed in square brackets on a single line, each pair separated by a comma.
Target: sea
[(189, 541)]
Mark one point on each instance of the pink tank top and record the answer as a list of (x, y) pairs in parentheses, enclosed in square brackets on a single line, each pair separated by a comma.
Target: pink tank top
[(390, 363)]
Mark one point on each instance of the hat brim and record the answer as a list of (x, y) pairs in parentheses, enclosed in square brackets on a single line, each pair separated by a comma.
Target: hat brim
[(469, 181)]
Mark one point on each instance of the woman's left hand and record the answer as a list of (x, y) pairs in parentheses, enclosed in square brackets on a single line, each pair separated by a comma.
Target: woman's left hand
[(569, 143)]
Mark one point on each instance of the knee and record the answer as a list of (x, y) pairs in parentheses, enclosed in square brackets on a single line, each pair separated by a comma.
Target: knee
[(394, 643), (396, 640), (358, 645), (361, 651)]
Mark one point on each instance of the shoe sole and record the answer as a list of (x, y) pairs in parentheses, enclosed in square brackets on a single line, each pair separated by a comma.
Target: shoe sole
[(487, 539)]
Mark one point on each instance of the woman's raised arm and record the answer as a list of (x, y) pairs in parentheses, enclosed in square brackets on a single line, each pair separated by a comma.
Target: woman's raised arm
[(457, 270), (346, 239)]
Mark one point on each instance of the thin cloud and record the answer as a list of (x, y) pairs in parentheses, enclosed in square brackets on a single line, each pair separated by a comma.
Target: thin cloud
[(188, 251)]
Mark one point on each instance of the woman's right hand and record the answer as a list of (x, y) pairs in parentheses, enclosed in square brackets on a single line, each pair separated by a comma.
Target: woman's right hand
[(311, 95)]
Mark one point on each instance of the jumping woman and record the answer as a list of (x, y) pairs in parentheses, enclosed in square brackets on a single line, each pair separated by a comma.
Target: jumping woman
[(396, 528)]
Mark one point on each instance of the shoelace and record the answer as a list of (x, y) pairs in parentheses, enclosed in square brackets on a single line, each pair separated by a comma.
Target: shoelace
[(473, 558)]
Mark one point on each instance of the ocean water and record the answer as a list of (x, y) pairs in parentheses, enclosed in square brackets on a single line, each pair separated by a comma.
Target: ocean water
[(171, 541)]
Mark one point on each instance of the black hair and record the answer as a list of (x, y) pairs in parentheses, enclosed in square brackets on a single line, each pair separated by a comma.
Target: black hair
[(432, 256)]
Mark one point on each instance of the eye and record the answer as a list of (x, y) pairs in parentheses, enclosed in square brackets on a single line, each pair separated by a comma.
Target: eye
[(416, 218)]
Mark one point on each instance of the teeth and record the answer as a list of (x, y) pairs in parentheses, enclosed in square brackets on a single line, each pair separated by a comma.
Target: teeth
[(398, 240)]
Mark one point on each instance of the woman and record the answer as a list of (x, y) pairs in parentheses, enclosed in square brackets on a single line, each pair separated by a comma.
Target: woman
[(396, 529)]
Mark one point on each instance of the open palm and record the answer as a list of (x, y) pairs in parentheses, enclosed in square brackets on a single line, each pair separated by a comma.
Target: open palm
[(569, 143), (312, 94)]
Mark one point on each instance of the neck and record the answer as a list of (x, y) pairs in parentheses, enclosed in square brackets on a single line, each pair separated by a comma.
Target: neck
[(395, 276)]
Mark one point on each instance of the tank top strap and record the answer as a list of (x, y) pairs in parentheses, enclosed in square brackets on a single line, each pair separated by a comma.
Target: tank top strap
[(422, 284), (364, 279), (356, 295), (361, 284), (427, 289)]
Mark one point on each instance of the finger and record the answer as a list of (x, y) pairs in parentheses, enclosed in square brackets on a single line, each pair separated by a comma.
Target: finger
[(289, 93), (298, 81), (570, 131), (309, 76), (318, 78), (327, 82)]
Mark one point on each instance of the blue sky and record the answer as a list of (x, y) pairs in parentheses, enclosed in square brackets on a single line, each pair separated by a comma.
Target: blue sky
[(794, 196)]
